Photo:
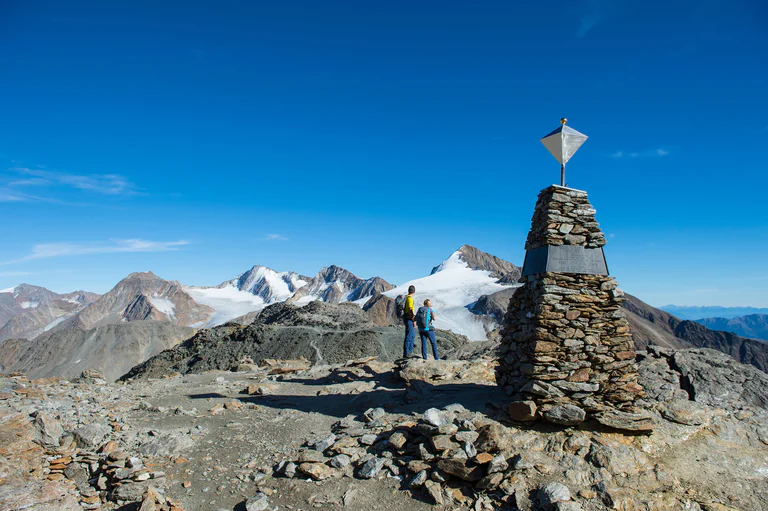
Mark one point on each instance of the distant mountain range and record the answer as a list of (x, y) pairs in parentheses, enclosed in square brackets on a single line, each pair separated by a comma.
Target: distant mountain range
[(752, 325), (714, 311), (44, 334)]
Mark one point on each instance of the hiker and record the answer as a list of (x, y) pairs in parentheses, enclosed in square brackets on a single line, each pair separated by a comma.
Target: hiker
[(424, 318), (409, 320)]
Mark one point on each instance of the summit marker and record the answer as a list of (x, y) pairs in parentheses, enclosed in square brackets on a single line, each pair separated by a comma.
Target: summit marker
[(563, 144)]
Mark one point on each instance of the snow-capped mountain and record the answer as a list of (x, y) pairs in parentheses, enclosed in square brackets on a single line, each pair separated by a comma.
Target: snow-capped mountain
[(456, 284), (143, 296), (261, 286), (27, 311), (335, 285), (268, 284)]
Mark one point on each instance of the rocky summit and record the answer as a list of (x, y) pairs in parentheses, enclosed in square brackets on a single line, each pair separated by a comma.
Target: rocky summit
[(369, 434)]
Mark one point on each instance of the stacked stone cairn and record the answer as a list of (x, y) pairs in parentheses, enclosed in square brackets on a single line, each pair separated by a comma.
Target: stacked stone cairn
[(567, 353)]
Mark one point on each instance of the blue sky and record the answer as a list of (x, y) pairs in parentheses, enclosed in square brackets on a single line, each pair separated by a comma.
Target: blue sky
[(196, 139)]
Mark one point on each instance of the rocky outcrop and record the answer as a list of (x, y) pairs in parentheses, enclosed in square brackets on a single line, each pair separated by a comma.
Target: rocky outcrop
[(381, 310), (566, 345), (323, 333), (748, 351)]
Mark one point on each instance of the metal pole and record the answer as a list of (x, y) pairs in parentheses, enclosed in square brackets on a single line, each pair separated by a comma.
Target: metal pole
[(562, 175)]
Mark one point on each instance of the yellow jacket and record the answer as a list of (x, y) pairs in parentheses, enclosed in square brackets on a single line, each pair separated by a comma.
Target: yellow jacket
[(410, 310)]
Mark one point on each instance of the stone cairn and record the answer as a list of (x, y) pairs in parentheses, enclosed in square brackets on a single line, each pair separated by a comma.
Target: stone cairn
[(567, 353)]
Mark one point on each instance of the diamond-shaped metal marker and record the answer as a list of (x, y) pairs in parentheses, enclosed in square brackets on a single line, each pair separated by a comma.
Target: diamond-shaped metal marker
[(563, 144)]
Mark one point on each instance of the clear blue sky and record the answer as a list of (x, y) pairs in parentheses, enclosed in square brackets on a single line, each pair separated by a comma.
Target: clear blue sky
[(196, 139)]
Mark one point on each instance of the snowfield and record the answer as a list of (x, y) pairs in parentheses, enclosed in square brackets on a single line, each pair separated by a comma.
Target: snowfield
[(228, 302), (164, 305), (452, 288)]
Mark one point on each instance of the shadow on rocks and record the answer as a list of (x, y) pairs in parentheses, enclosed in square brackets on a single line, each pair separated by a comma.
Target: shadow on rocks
[(474, 397)]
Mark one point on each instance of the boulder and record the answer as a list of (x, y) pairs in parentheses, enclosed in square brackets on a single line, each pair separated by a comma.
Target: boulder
[(493, 437), (552, 493), (565, 415), (48, 431)]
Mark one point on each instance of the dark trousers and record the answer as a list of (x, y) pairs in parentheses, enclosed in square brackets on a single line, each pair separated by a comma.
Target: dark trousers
[(428, 335), (410, 337)]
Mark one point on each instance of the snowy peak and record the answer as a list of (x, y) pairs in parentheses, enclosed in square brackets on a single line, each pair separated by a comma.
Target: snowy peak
[(269, 285), (334, 284), (144, 296), (27, 311), (476, 259)]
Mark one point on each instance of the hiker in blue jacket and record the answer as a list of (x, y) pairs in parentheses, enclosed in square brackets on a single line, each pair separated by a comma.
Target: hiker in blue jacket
[(424, 318)]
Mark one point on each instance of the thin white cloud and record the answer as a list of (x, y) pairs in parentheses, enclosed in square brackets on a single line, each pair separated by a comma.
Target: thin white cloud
[(275, 237), (49, 250), (107, 184), (650, 153)]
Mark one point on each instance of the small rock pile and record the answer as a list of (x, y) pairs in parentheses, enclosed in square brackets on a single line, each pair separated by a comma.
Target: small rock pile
[(453, 456), (88, 456), (566, 351)]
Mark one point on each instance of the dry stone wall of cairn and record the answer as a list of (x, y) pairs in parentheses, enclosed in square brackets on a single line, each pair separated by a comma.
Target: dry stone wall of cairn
[(567, 352)]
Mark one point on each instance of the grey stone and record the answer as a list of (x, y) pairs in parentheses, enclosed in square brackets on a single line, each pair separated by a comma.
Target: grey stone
[(566, 415), (368, 439), (466, 436), (437, 418), (372, 414), (520, 463), (419, 479), (48, 431), (469, 448), (90, 436), (541, 389), (552, 493), (340, 461), (321, 444), (290, 470), (572, 386), (686, 412), (258, 502), (497, 464), (371, 468), (435, 491)]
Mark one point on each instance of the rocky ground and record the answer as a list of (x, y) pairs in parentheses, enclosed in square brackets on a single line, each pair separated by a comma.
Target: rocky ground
[(370, 434)]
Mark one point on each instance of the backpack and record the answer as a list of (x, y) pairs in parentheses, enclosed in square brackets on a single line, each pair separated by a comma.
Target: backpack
[(423, 318), (400, 306)]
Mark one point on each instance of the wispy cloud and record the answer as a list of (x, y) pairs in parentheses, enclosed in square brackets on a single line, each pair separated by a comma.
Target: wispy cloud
[(589, 14), (16, 273), (49, 250), (275, 237), (588, 22), (650, 153), (107, 184)]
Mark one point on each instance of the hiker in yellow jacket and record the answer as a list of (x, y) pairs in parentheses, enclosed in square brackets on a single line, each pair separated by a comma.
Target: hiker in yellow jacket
[(409, 320)]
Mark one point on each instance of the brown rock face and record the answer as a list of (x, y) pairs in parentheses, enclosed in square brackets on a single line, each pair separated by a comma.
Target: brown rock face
[(566, 341)]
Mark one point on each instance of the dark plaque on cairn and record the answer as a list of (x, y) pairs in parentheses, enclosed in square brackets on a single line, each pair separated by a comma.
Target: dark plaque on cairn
[(565, 259)]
